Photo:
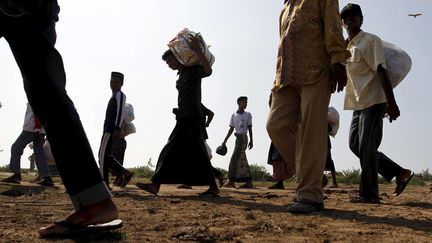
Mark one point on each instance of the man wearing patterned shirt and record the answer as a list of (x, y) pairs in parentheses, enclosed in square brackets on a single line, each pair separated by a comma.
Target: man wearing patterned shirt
[(309, 68)]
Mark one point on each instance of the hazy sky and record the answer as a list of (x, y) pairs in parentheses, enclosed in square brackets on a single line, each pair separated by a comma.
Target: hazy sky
[(99, 36)]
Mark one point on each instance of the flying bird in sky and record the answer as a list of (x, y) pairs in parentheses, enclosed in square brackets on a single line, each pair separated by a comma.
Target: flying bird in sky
[(415, 15)]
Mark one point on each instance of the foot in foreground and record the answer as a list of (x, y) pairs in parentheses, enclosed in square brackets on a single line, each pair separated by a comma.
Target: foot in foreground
[(305, 207), (102, 216)]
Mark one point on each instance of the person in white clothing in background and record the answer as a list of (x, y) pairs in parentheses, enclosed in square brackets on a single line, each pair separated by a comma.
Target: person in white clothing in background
[(32, 132)]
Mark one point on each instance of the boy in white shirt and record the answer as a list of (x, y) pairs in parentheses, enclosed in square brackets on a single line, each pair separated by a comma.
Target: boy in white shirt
[(241, 122)]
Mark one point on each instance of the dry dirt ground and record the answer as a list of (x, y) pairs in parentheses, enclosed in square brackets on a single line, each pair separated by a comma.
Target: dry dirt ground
[(238, 215)]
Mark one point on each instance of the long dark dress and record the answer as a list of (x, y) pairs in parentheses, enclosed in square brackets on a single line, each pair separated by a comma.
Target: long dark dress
[(184, 159)]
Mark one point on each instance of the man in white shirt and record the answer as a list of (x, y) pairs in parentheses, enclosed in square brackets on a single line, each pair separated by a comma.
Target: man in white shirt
[(32, 132), (370, 95), (241, 122)]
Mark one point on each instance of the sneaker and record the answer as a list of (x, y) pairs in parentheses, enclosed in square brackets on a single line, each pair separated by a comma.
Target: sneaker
[(15, 178), (46, 181), (305, 207)]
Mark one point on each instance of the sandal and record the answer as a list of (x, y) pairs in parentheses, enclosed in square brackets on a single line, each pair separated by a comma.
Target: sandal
[(146, 187)]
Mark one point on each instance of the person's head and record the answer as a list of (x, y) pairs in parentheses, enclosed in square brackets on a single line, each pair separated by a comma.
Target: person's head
[(116, 81), (242, 102), (352, 17), (171, 60)]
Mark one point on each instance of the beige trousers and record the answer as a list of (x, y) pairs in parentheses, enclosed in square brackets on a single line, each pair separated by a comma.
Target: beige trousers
[(297, 126)]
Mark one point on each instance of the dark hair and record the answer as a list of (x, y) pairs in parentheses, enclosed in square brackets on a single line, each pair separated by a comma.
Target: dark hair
[(352, 9), (168, 53), (241, 98)]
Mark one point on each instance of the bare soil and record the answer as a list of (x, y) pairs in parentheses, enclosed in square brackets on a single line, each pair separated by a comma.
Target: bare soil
[(237, 215)]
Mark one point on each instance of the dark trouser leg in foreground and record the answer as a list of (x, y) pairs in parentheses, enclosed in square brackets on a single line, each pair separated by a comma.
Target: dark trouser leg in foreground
[(31, 39)]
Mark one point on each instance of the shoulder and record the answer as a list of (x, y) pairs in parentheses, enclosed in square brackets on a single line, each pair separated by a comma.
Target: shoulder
[(371, 38)]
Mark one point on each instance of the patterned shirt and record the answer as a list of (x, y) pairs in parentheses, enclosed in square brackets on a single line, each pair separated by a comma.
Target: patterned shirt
[(310, 40)]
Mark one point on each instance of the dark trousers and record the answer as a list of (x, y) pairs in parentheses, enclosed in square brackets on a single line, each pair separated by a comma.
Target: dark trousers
[(184, 159), (118, 150), (364, 139), (107, 161), (31, 39)]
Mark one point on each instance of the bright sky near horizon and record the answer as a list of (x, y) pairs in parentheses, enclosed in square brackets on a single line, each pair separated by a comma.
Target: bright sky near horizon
[(100, 36)]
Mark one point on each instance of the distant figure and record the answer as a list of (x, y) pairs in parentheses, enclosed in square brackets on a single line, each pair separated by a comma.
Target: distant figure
[(309, 68), (112, 134), (333, 127), (281, 169), (32, 132), (29, 28), (415, 15), (241, 122), (184, 159), (370, 95)]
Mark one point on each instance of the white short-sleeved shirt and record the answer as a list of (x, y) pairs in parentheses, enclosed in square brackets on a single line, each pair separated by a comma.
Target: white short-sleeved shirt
[(241, 122), (364, 87)]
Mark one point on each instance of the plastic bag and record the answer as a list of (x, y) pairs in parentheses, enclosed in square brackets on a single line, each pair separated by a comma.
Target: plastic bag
[(209, 150), (128, 113), (126, 129), (333, 120), (398, 63), (182, 49)]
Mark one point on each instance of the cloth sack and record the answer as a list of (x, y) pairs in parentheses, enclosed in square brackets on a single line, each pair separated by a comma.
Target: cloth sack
[(398, 63), (333, 120), (180, 46), (209, 150), (127, 129), (128, 113)]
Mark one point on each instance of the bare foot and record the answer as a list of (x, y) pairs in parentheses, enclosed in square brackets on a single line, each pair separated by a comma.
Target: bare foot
[(102, 212)]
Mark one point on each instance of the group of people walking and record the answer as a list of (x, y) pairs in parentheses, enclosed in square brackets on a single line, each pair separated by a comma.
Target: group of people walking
[(310, 66)]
